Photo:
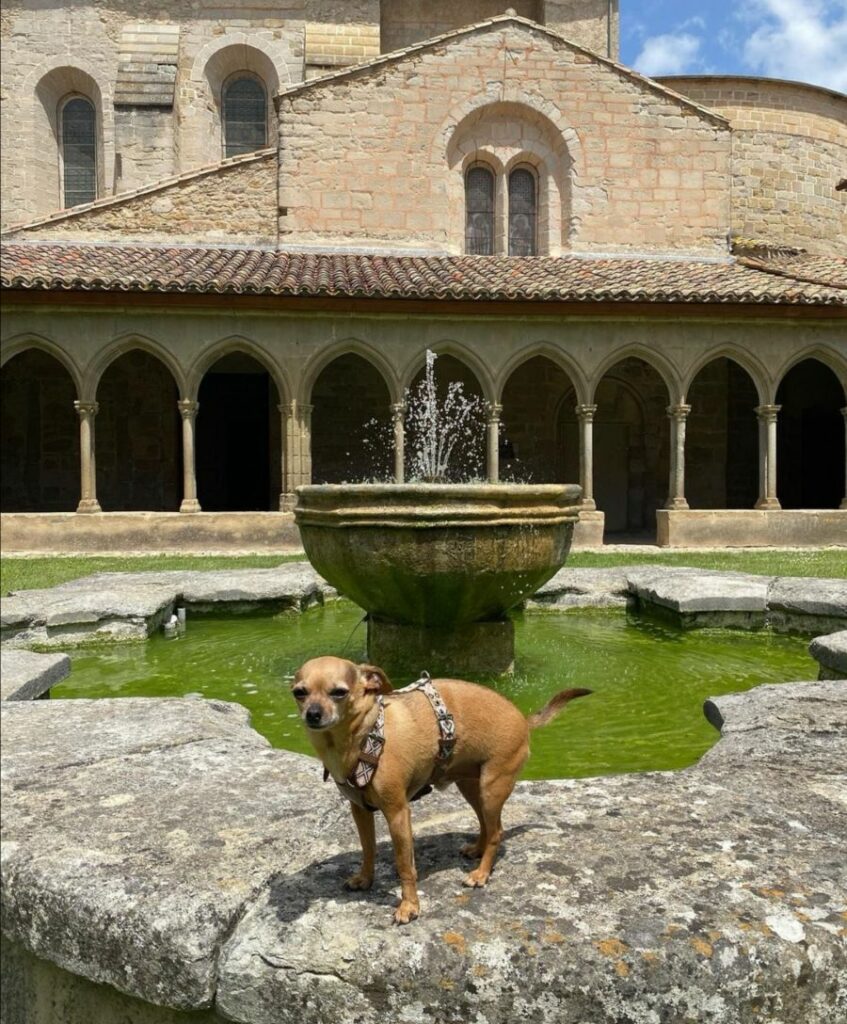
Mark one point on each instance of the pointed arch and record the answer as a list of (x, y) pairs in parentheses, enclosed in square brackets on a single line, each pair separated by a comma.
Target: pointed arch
[(655, 360), (748, 362), (566, 363), (227, 346), (21, 342), (120, 347), (348, 346), (831, 359), (466, 356)]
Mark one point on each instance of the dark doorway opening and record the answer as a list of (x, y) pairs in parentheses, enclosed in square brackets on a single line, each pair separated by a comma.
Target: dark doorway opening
[(238, 438)]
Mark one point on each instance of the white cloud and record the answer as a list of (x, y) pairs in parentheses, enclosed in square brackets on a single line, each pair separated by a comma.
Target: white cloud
[(675, 53), (804, 40)]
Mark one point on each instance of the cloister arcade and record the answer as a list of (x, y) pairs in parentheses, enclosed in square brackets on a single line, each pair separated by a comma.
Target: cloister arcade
[(136, 430)]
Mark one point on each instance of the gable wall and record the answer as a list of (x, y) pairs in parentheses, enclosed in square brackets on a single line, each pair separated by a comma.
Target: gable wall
[(365, 157)]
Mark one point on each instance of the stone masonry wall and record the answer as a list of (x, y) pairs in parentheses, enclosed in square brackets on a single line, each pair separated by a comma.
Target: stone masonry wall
[(645, 171), (789, 151), (232, 202)]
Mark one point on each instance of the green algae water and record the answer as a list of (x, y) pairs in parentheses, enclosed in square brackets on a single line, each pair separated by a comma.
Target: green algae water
[(645, 713)]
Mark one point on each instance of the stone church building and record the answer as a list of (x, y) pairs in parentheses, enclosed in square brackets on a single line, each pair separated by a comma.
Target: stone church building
[(230, 236)]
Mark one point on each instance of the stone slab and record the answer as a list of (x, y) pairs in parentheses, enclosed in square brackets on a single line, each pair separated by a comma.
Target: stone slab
[(25, 675), (584, 588), (748, 528), (212, 868), (830, 652), (807, 604), (702, 597)]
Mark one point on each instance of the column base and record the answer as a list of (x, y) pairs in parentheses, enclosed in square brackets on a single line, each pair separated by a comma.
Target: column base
[(474, 649), (88, 505), (767, 503), (587, 505), (676, 503), (843, 504), (287, 501), (190, 505)]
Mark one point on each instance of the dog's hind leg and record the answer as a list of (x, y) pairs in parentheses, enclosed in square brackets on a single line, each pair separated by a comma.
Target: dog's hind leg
[(469, 788), (363, 879), (495, 787)]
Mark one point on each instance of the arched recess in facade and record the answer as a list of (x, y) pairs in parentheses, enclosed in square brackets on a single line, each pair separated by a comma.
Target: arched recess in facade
[(139, 441), (722, 437), (351, 422), (539, 440), (468, 459), (810, 437), (40, 466), (631, 446), (238, 437)]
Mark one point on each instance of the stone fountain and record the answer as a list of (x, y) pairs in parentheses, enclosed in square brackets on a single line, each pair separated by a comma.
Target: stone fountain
[(437, 566)]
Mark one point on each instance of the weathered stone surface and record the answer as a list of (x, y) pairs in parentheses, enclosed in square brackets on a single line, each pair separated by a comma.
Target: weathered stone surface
[(132, 858), (830, 652), (123, 606), (214, 867), (584, 588), (25, 675), (701, 597), (109, 611), (807, 603)]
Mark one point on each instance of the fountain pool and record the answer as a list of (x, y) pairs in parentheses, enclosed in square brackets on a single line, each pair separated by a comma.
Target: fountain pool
[(649, 680)]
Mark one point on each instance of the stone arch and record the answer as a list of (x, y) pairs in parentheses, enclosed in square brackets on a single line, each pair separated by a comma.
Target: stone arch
[(119, 347), (508, 133), (138, 432), (539, 441), (654, 359), (227, 346), (22, 342), (722, 435), (39, 439), (43, 92), (631, 442), (351, 421), (810, 435), (238, 429), (563, 360), (747, 361), (349, 346), (261, 55), (832, 360)]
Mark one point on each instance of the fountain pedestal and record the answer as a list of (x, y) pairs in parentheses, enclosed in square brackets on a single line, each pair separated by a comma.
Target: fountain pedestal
[(438, 566)]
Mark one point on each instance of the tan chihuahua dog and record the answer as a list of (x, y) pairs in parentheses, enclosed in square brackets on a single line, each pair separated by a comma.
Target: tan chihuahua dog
[(338, 704)]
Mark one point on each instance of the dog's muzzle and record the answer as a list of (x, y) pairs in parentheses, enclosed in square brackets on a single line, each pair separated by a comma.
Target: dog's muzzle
[(314, 714)]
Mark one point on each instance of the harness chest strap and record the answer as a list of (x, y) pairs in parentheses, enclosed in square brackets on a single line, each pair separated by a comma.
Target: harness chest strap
[(374, 743)]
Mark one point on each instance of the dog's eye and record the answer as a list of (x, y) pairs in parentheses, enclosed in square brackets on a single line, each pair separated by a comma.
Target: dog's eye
[(339, 693), (299, 692)]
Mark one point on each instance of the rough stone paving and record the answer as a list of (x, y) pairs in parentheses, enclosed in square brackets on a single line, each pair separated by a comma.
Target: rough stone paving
[(713, 894), (799, 279)]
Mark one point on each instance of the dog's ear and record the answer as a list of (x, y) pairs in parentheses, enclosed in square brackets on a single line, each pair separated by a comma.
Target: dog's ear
[(376, 681)]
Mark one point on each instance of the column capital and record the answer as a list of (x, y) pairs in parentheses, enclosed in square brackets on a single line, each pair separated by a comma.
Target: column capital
[(844, 412), (187, 407), (87, 408), (398, 410), (767, 413), (492, 411), (585, 412), (679, 411)]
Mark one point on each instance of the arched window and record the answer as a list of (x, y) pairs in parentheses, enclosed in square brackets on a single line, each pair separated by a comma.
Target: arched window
[(479, 211), (245, 115), (78, 120), (522, 213)]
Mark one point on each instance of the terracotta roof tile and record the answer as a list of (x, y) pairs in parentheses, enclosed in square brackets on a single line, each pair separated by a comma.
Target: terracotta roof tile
[(785, 279)]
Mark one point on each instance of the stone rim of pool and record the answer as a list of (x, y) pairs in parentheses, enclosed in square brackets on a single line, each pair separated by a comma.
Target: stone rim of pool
[(173, 860)]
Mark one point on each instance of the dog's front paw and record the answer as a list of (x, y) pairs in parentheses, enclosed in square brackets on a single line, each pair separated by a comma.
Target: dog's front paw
[(476, 879), (406, 912), (359, 882)]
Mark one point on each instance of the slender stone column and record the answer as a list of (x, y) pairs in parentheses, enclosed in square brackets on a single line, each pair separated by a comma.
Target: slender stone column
[(767, 456), (844, 414), (492, 423), (585, 415), (398, 413), (88, 469), (678, 414), (297, 451), (188, 412)]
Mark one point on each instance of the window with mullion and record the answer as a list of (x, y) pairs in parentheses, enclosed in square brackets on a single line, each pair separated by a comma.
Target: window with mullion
[(522, 213), (479, 212)]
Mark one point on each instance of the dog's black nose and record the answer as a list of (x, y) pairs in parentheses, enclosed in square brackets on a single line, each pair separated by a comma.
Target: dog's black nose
[(313, 714)]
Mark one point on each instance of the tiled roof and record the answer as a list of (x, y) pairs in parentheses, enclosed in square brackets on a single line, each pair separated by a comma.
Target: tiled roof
[(786, 280)]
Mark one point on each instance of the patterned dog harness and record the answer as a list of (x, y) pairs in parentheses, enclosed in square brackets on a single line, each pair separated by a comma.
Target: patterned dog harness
[(374, 743)]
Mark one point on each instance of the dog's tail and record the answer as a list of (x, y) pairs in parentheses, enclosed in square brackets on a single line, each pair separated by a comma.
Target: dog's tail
[(553, 707)]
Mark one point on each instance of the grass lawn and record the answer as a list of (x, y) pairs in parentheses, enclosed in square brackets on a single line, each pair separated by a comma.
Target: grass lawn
[(29, 573)]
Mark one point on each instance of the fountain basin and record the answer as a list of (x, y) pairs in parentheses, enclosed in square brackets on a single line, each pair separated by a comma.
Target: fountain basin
[(438, 555)]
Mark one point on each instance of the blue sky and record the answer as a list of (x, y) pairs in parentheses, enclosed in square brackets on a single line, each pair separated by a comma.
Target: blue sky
[(802, 40)]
